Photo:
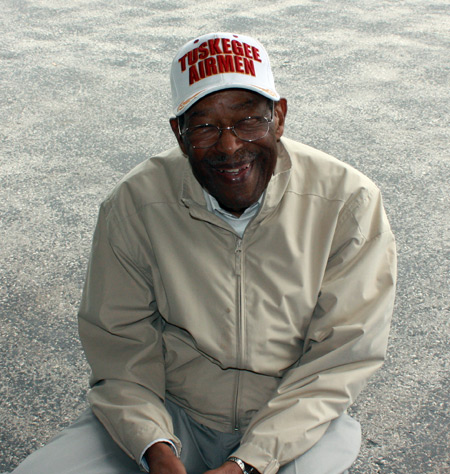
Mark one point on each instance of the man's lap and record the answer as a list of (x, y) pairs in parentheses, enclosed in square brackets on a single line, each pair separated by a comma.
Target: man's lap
[(86, 447)]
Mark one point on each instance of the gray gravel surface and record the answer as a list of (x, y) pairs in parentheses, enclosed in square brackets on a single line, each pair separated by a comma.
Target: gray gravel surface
[(84, 94)]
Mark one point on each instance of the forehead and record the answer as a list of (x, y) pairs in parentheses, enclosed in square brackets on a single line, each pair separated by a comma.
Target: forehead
[(227, 101)]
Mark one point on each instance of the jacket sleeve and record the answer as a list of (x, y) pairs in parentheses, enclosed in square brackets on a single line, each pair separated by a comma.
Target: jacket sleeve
[(345, 342), (120, 330)]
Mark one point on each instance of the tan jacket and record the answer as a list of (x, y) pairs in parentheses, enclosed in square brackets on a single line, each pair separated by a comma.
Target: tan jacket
[(273, 334)]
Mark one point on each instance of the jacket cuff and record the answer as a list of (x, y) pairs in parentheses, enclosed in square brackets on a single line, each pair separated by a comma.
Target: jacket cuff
[(261, 460)]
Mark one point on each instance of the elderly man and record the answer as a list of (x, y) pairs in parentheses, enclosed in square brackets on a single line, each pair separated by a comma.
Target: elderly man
[(239, 292)]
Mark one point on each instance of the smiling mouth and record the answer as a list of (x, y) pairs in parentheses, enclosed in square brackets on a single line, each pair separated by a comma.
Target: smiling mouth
[(234, 171)]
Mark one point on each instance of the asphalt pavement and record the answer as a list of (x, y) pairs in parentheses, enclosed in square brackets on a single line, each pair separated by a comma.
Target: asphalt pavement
[(85, 96)]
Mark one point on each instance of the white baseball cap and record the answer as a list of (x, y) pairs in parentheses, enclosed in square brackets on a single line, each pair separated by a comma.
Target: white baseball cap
[(218, 61)]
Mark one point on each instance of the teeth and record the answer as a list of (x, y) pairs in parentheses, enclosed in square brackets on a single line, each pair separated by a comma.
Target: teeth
[(234, 170)]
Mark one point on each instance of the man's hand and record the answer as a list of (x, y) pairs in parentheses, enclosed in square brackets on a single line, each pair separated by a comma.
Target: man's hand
[(228, 467), (162, 460)]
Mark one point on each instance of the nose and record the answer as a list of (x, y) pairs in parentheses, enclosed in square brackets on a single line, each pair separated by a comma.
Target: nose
[(228, 141)]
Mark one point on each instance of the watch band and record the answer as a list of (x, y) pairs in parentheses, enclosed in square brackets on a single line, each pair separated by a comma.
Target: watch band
[(245, 468)]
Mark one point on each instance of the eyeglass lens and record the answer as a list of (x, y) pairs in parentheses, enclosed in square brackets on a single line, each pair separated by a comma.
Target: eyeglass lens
[(248, 129)]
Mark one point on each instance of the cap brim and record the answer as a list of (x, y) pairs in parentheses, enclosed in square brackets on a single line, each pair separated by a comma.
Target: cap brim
[(190, 101)]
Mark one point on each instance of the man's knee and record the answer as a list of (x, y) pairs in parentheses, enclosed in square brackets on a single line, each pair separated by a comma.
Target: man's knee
[(334, 453), (85, 446)]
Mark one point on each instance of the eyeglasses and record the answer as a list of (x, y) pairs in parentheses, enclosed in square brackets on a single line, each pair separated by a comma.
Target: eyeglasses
[(248, 129)]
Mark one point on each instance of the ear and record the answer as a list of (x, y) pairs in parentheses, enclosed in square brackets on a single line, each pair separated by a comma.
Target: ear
[(280, 115), (176, 132)]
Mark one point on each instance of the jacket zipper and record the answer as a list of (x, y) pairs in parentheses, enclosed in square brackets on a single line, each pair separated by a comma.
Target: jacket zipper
[(239, 341)]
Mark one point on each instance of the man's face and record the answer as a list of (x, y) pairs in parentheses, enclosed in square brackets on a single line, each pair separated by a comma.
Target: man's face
[(235, 172)]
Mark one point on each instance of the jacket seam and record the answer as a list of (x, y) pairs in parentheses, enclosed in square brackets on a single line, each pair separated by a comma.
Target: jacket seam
[(138, 210), (292, 191)]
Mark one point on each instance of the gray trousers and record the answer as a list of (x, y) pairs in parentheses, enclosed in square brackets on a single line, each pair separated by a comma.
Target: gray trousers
[(86, 448)]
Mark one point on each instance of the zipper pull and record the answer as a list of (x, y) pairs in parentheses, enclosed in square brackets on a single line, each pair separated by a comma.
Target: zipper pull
[(238, 254)]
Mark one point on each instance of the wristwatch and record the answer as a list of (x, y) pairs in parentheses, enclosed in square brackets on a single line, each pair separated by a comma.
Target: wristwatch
[(245, 468)]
